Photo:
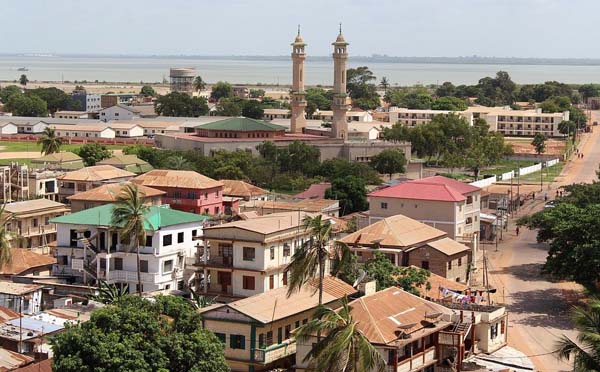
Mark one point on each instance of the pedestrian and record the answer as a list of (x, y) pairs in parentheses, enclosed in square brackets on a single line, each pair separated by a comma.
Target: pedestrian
[(533, 195), (546, 197), (517, 230), (557, 193)]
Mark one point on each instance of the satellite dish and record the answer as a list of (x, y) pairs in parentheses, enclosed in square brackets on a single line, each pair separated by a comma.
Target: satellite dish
[(407, 326), (432, 315), (361, 276)]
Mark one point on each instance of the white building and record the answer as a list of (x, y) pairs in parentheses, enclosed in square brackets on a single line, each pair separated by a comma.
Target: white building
[(8, 128), (89, 248), (32, 127), (127, 130), (84, 131), (24, 298), (92, 102), (119, 112)]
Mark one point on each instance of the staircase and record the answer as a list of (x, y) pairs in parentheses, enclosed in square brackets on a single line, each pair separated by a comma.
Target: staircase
[(89, 261), (463, 328)]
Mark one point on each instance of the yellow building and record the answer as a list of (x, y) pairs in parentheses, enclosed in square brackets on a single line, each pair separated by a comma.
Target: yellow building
[(256, 331)]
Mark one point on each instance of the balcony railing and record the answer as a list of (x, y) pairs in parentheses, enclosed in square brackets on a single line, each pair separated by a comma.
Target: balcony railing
[(218, 261), (417, 361), (131, 276), (38, 230), (275, 352)]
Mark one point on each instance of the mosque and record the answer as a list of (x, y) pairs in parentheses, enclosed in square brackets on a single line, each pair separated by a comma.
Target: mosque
[(210, 134)]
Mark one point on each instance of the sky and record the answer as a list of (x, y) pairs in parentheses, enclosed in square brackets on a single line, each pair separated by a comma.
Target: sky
[(490, 28)]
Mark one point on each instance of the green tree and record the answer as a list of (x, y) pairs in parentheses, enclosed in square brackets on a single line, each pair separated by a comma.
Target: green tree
[(129, 215), (389, 161), (268, 151), (345, 348), (308, 262), (23, 105), (180, 104), (257, 93), (109, 293), (138, 335), (5, 235), (8, 91), (539, 143), (147, 91), (449, 104), (420, 101), (299, 157), (92, 153), (55, 98), (585, 351), (50, 142), (351, 192), (23, 80), (199, 84), (447, 89), (178, 162), (221, 90), (381, 269), (589, 90), (318, 99), (567, 126), (252, 109), (362, 91), (384, 83), (229, 107)]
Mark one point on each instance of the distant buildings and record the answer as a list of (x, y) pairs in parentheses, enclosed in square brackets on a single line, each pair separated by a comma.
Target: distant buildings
[(182, 79), (107, 194), (90, 177)]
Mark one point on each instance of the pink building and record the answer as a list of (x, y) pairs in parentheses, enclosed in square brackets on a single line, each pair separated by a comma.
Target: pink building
[(187, 191)]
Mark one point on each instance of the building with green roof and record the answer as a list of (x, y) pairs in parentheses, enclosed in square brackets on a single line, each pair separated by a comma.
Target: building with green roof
[(60, 161), (90, 248), (240, 127), (130, 163)]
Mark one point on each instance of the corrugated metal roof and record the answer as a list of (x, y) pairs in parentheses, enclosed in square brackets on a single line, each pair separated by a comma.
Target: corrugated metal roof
[(241, 124), (9, 360), (176, 178), (23, 260), (96, 173), (156, 217), (448, 246), (57, 158), (430, 188), (241, 188), (109, 192), (34, 205)]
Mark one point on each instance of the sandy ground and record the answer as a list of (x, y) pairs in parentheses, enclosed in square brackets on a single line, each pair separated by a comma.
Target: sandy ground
[(20, 155), (539, 308)]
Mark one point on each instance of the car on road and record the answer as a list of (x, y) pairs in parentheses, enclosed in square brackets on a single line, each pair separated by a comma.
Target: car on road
[(550, 204)]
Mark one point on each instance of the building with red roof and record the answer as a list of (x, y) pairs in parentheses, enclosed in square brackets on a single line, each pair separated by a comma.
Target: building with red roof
[(444, 203)]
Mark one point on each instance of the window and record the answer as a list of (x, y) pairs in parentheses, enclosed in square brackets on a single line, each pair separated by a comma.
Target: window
[(494, 331), (167, 240), (305, 321), (167, 266), (425, 265), (237, 342), (469, 220), (180, 237), (279, 335), (248, 282), (460, 261), (222, 337), (249, 254), (284, 277), (288, 331), (271, 281), (384, 205), (449, 265), (269, 338), (144, 266), (286, 250), (272, 253), (205, 196), (469, 199), (206, 211), (148, 240), (502, 327), (35, 222), (194, 233), (297, 324), (118, 263)]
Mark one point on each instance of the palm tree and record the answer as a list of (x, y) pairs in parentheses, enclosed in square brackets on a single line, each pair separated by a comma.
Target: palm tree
[(308, 262), (5, 253), (50, 142), (129, 216), (586, 350), (178, 162), (109, 293), (199, 84), (344, 348)]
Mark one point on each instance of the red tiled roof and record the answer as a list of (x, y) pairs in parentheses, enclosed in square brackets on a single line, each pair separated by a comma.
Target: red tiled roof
[(43, 366), (315, 191), (431, 188)]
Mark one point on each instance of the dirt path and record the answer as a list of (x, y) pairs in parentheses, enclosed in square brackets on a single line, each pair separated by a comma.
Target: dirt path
[(539, 308), (20, 155)]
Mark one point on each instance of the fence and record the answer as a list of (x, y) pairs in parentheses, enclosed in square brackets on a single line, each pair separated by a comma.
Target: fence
[(530, 169), (485, 182), (552, 162), (508, 175)]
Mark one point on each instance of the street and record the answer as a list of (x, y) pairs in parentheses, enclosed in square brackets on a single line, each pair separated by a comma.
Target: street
[(539, 308)]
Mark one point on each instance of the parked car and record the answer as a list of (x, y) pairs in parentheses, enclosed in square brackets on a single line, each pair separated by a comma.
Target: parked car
[(550, 204)]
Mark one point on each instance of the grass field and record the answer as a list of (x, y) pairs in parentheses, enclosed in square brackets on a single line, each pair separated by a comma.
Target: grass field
[(505, 166), (20, 161), (10, 146), (549, 174)]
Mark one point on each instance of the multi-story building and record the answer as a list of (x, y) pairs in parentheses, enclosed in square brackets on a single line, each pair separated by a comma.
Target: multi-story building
[(411, 333), (23, 298), (108, 100), (187, 191), (245, 258), (89, 248), (88, 178), (441, 202), (118, 112), (407, 242), (87, 102), (30, 226), (108, 193), (182, 79), (256, 332)]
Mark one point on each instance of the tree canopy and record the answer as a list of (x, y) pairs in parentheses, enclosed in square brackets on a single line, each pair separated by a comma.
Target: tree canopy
[(361, 89), (138, 335), (381, 269), (92, 153), (351, 191), (220, 90), (147, 91), (180, 104), (389, 161), (24, 105), (539, 143)]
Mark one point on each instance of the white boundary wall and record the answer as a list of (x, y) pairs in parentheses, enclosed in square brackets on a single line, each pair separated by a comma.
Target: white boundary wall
[(485, 182)]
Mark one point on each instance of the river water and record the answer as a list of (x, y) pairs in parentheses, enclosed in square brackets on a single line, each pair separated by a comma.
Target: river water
[(274, 70)]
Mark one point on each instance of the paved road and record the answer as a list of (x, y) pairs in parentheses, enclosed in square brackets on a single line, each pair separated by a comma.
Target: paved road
[(539, 308)]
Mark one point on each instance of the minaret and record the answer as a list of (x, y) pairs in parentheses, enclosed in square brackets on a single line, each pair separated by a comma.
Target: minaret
[(298, 119), (339, 127)]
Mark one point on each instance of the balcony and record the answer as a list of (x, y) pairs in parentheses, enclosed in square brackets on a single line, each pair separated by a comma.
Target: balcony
[(215, 261), (275, 352), (468, 207), (64, 270), (38, 230), (131, 276), (417, 361)]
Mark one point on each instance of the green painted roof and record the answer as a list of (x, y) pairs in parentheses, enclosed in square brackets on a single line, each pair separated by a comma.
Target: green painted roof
[(156, 217), (241, 124), (57, 158)]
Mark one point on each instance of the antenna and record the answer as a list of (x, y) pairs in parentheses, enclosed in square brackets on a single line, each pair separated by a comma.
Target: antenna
[(361, 276), (298, 30), (340, 28)]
